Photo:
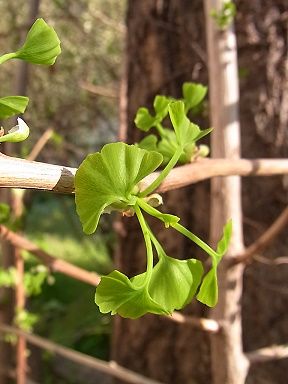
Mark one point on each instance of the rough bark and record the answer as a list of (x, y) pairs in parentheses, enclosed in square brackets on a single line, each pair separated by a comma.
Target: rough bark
[(166, 47), (163, 52)]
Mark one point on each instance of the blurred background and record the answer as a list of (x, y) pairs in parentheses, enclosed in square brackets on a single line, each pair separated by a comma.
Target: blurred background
[(116, 56)]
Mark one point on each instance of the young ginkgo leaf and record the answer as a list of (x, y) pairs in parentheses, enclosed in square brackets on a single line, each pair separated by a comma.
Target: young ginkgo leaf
[(12, 105), (186, 132), (144, 120), (106, 180), (42, 45), (208, 293), (117, 294), (16, 134), (193, 94), (174, 282)]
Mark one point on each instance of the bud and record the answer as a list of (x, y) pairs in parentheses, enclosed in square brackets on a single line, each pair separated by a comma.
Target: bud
[(42, 45), (16, 134)]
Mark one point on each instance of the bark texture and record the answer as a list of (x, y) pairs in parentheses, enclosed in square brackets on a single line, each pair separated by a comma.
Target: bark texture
[(164, 50)]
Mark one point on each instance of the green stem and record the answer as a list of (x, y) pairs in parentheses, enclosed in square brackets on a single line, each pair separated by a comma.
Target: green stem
[(163, 174), (160, 129), (7, 56), (161, 216), (195, 239), (159, 249), (147, 239)]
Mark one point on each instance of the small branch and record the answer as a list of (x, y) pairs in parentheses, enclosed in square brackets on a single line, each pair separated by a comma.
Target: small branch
[(109, 368), (278, 261), (55, 265), (264, 240), (262, 355), (99, 90), (207, 325), (40, 144), (19, 173)]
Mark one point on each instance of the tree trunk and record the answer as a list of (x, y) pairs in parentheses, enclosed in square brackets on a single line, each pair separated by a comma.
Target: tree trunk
[(226, 202), (165, 47), (163, 51)]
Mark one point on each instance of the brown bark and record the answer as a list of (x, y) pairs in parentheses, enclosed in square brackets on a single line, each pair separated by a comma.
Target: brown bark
[(161, 56), (166, 47)]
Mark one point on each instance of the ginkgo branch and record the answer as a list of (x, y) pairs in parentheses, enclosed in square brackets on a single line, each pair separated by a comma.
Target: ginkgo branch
[(19, 173)]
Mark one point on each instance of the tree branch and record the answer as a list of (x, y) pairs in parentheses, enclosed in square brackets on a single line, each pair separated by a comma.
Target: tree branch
[(264, 240), (55, 265), (262, 355), (109, 368), (19, 173), (207, 325)]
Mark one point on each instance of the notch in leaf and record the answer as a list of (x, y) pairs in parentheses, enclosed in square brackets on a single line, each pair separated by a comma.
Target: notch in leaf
[(16, 134), (193, 94), (42, 45), (117, 294), (144, 120)]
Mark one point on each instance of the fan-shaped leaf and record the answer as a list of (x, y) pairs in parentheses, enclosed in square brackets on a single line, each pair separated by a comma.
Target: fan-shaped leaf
[(106, 180)]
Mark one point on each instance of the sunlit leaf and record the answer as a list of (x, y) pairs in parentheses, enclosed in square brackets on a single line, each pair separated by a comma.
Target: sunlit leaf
[(174, 282), (193, 94), (144, 120), (12, 105), (42, 45), (106, 180), (208, 293), (117, 294)]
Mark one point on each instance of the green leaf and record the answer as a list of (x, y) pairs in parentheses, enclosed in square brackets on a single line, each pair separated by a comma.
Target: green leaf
[(186, 132), (42, 45), (223, 243), (193, 94), (149, 143), (174, 282), (12, 105), (161, 104), (4, 213), (106, 180), (16, 134), (208, 293), (117, 294), (144, 120)]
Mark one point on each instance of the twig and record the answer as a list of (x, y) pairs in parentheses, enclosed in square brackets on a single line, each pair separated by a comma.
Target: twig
[(100, 90), (278, 261), (19, 173), (207, 325), (55, 265), (264, 240), (92, 278), (40, 144), (262, 355), (110, 368)]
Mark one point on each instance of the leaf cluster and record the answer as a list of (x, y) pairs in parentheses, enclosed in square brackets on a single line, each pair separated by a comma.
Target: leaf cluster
[(167, 141), (109, 181), (225, 16)]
